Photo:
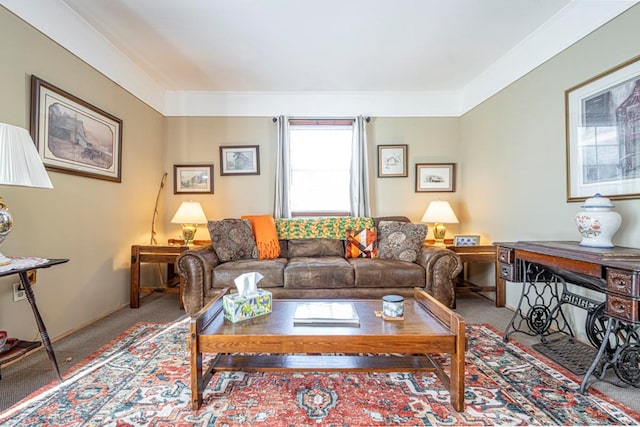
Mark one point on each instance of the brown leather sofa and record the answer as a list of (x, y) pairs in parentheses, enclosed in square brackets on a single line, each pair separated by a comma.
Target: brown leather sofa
[(317, 268)]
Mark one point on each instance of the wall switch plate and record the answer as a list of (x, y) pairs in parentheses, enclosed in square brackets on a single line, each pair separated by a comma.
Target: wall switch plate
[(18, 292)]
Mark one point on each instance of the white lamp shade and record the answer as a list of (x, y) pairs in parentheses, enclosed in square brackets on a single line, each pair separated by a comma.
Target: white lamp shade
[(189, 213), (20, 163), (440, 211)]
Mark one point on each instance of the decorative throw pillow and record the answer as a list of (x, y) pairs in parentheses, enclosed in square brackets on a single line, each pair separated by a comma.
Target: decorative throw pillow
[(232, 239), (400, 240), (362, 243)]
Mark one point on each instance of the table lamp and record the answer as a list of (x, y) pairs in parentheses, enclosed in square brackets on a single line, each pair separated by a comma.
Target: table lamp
[(440, 213), (189, 214), (20, 165)]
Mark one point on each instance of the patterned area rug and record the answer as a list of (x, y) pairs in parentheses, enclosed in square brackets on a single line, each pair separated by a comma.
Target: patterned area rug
[(142, 379)]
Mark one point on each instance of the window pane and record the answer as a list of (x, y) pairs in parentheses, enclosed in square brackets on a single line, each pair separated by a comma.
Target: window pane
[(320, 168)]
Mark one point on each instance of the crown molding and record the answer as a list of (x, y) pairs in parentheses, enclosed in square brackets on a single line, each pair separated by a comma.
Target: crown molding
[(376, 104), (60, 23), (575, 21)]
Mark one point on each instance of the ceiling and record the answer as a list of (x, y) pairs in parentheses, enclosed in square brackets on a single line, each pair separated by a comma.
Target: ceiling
[(229, 57)]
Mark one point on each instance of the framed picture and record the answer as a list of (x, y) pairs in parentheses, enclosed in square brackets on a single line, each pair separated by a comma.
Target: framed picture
[(73, 136), (603, 134), (392, 161), (240, 160), (192, 179), (435, 177), (466, 240)]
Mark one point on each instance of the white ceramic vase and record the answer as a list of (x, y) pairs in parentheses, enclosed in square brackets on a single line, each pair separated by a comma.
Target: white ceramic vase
[(597, 223)]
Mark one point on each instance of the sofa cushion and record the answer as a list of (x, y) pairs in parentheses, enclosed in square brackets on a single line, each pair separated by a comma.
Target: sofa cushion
[(232, 239), (387, 273), (318, 273), (362, 243), (400, 240), (315, 247), (272, 271)]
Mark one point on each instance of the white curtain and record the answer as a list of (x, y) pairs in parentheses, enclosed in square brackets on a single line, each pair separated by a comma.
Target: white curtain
[(359, 182), (359, 190), (282, 208)]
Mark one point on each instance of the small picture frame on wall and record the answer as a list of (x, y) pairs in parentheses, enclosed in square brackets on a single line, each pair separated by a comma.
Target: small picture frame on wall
[(435, 177), (193, 179), (240, 160), (466, 240), (392, 161)]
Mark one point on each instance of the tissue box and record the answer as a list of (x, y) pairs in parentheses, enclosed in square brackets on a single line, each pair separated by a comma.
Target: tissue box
[(238, 308)]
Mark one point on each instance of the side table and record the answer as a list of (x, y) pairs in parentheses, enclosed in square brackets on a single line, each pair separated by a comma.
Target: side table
[(26, 283), (479, 254), (166, 254)]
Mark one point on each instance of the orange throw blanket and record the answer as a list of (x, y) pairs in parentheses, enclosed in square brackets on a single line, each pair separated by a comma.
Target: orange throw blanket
[(264, 229)]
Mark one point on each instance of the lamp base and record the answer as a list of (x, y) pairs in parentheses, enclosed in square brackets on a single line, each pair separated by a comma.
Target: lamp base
[(188, 233), (439, 230)]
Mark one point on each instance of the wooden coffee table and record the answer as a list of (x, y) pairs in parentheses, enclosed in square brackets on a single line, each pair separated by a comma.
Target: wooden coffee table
[(428, 327)]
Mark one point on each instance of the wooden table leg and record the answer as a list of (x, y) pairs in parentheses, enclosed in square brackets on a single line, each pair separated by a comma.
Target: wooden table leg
[(456, 386), (134, 298), (500, 289), (196, 368)]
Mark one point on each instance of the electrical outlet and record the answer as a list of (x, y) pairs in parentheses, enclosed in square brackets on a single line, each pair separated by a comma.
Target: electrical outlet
[(18, 292)]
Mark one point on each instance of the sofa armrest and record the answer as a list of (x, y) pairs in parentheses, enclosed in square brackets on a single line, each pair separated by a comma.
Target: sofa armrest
[(195, 267), (441, 266)]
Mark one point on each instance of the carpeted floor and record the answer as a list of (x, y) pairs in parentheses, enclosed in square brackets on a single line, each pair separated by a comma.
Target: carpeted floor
[(141, 379), (24, 377)]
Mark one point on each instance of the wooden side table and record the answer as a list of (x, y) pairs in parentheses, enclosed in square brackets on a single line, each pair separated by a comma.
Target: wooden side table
[(479, 254), (165, 254)]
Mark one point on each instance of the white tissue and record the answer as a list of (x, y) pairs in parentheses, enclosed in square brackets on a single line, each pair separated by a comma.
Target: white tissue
[(247, 283)]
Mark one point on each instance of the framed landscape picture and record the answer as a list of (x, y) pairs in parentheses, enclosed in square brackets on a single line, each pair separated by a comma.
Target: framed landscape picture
[(603, 134), (73, 136), (240, 160), (392, 161), (435, 177), (192, 179)]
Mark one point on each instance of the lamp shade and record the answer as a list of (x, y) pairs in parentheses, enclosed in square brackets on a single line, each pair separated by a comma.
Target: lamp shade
[(189, 213), (20, 163), (440, 211)]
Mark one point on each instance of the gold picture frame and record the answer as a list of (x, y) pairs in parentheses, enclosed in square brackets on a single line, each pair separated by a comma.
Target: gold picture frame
[(602, 141), (392, 161)]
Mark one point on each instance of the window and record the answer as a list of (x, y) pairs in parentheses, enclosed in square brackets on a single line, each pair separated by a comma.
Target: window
[(320, 156)]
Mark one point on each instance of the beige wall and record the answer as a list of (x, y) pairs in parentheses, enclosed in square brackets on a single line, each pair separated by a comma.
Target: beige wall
[(513, 147), (92, 222), (196, 140), (193, 140), (510, 155)]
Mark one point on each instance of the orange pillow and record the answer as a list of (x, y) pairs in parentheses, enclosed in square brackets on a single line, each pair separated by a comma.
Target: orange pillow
[(362, 243)]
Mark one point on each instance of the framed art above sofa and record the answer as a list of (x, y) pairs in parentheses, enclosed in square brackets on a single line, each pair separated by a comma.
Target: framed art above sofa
[(435, 177)]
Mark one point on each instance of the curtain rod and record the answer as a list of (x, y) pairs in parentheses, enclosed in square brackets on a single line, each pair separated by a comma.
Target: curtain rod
[(367, 119)]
